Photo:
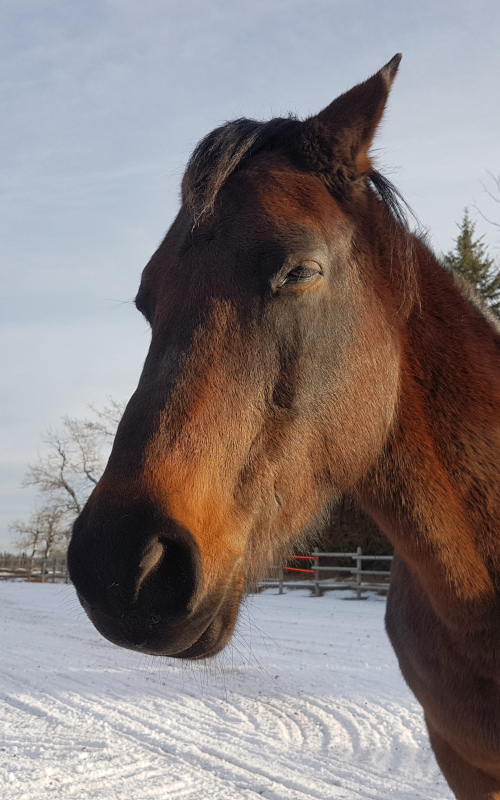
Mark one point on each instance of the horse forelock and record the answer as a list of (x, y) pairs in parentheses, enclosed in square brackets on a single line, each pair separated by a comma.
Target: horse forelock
[(308, 145), (222, 152), (230, 147)]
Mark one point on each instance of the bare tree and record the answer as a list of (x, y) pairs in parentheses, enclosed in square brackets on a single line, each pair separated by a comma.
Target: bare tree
[(75, 458), (27, 535), (107, 418), (68, 472), (44, 531), (60, 474)]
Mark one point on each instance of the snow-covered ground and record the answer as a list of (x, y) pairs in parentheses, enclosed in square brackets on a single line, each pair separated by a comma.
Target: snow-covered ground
[(307, 704)]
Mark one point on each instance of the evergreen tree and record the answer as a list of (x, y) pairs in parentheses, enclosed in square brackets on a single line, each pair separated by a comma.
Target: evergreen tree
[(470, 259)]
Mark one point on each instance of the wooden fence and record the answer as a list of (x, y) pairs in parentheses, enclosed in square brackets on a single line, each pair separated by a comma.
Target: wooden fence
[(347, 572), (320, 577), (40, 570)]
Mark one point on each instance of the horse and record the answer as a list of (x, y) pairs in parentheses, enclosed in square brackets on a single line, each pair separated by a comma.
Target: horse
[(305, 345)]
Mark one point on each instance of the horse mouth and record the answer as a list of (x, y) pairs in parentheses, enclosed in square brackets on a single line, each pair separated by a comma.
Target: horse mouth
[(212, 641), (190, 636)]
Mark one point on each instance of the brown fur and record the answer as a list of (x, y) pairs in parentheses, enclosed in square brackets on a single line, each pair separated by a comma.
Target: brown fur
[(304, 345)]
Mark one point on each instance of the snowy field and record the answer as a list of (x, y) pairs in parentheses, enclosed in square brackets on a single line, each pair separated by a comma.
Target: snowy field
[(307, 704)]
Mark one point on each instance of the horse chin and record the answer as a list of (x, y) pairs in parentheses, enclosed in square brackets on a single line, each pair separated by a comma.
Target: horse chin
[(191, 636), (212, 641)]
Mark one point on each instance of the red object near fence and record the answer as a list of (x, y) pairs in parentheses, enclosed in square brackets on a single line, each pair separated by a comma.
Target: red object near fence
[(296, 569)]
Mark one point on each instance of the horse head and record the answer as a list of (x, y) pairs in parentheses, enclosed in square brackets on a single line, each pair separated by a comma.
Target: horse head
[(275, 303)]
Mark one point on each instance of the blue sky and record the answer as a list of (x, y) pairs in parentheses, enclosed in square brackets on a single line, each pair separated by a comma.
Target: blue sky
[(102, 103)]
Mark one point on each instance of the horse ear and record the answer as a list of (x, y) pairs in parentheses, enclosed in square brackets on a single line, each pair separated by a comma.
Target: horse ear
[(352, 119)]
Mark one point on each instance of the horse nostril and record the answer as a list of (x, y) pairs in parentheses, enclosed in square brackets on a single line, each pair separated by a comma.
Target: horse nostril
[(151, 559), (167, 578)]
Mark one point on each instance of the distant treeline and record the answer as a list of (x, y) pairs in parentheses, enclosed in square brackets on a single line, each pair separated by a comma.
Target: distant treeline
[(347, 527)]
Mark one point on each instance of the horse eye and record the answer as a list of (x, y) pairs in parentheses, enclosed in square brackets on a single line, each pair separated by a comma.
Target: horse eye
[(300, 274)]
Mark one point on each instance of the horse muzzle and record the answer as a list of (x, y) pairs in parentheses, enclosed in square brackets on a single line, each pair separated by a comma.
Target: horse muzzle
[(183, 635), (146, 592)]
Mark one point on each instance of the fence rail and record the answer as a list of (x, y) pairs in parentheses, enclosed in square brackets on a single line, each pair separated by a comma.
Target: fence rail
[(36, 569), (315, 570)]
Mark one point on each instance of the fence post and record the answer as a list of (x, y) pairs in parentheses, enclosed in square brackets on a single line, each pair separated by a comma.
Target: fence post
[(280, 579), (316, 572), (359, 567)]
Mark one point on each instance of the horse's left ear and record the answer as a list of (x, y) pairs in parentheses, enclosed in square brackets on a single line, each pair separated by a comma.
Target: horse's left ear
[(352, 119)]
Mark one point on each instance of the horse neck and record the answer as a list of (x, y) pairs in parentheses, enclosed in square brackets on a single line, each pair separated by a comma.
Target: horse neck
[(435, 490)]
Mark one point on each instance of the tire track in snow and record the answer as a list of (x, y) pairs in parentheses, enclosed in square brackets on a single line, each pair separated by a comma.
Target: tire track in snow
[(82, 720), (147, 732)]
